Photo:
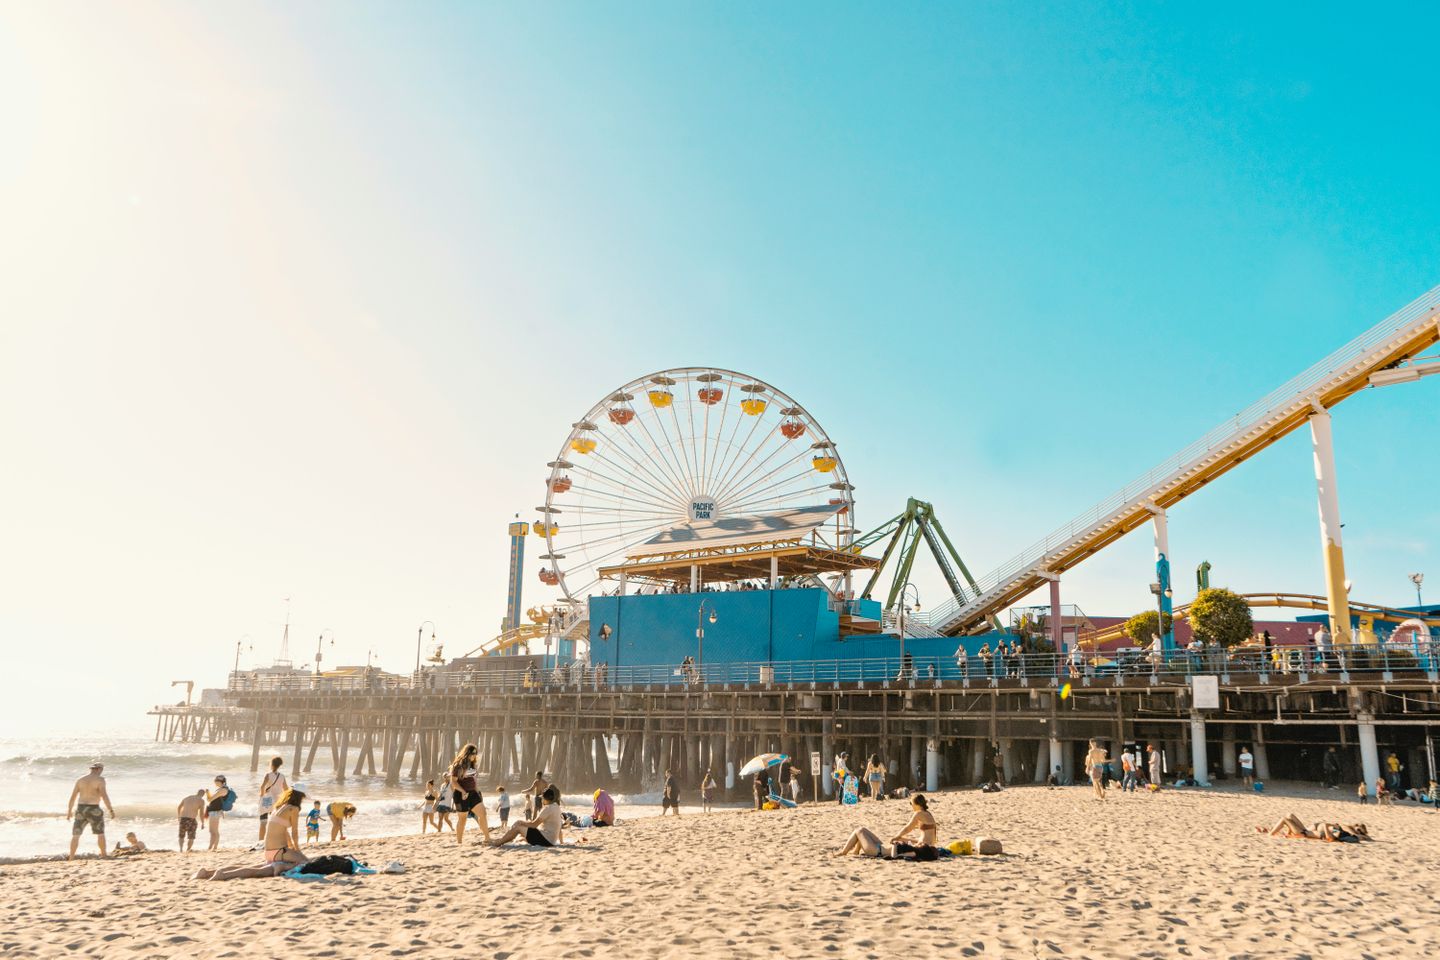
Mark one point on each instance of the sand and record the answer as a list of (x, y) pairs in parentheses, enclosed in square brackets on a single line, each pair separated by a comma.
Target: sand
[(1176, 874)]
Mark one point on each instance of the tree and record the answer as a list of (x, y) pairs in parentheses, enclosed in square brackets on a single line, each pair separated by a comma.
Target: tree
[(1222, 617), (1141, 627)]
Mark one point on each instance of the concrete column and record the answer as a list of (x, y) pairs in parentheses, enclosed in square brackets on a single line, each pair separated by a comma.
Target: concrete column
[(1053, 758), (1262, 759), (1198, 758), (1369, 754), (1067, 760), (1007, 753), (1335, 594), (1057, 639), (694, 578), (917, 754), (932, 765), (827, 771), (1227, 753), (1042, 761), (774, 570), (977, 757)]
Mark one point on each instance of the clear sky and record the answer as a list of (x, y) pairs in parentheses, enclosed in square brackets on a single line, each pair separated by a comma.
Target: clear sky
[(297, 300)]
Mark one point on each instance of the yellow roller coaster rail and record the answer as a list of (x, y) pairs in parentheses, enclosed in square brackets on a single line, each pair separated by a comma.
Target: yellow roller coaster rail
[(1400, 337), (1290, 601)]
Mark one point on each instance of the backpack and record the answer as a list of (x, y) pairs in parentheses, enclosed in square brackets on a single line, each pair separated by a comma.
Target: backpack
[(330, 863), (229, 802)]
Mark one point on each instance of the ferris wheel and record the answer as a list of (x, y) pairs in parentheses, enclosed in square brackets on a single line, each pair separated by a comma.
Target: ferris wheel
[(690, 444)]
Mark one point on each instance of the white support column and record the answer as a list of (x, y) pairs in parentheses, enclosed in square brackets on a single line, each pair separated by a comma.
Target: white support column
[(774, 570), (1198, 757), (694, 578), (1330, 543), (1227, 753), (622, 583), (1262, 758), (1055, 759), (1369, 753), (932, 765)]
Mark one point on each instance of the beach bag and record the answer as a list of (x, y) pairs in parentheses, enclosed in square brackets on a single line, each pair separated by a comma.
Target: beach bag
[(228, 803), (962, 848)]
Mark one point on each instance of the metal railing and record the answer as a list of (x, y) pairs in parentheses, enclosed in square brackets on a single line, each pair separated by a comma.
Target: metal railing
[(1279, 403), (1177, 666)]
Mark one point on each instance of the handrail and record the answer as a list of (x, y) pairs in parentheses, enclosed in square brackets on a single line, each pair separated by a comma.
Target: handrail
[(1351, 360), (1177, 667)]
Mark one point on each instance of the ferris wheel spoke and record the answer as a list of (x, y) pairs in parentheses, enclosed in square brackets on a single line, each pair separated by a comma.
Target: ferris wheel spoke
[(656, 455), (661, 454), (740, 484), (732, 452), (639, 478), (684, 451), (676, 447), (739, 464), (620, 491), (662, 486), (622, 480), (782, 490), (616, 504)]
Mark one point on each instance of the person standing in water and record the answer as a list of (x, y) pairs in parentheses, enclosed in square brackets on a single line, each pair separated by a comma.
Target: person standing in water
[(214, 810), (190, 810), (84, 806), (532, 796), (1096, 761)]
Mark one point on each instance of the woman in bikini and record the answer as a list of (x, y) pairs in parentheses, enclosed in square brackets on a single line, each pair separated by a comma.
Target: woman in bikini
[(1095, 763), (864, 843), (468, 800), (875, 776), (282, 844)]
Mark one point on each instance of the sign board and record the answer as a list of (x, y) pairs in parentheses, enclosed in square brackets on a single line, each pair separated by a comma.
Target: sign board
[(1205, 692), (815, 763), (702, 508)]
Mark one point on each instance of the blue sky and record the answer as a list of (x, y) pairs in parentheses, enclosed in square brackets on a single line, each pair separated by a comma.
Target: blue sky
[(304, 298)]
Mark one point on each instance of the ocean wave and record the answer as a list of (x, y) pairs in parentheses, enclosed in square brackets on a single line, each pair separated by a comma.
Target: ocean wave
[(126, 763)]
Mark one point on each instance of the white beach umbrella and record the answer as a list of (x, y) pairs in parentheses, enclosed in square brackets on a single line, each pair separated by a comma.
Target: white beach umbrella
[(762, 762)]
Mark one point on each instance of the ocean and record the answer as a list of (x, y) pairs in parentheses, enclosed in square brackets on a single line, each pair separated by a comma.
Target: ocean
[(147, 779)]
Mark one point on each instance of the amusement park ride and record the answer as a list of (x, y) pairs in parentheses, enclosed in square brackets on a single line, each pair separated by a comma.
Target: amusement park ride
[(690, 477)]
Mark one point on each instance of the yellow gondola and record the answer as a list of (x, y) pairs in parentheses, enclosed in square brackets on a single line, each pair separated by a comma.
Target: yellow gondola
[(753, 406), (583, 445), (660, 398), (823, 464)]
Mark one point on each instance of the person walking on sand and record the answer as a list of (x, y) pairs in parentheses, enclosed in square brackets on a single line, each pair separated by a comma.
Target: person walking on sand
[(1155, 764), (190, 810), (671, 799), (84, 806), (427, 809), (795, 784), (875, 776), (707, 791), (1096, 762), (468, 800), (271, 787), (215, 809)]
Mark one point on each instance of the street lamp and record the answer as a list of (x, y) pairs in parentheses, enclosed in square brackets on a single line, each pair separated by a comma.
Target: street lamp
[(904, 592), (700, 630), (1417, 579), (1160, 597), (419, 636), (319, 643)]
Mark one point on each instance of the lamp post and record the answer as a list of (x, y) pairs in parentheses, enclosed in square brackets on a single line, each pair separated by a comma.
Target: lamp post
[(419, 636), (1417, 579), (1162, 593), (700, 630), (904, 592), (320, 642)]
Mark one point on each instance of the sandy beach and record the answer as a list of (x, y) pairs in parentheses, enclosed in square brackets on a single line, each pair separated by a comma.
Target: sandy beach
[(1178, 874)]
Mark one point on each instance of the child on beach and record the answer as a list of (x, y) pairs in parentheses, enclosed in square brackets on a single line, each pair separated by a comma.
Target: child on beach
[(340, 811), (502, 806), (134, 845), (312, 824), (1363, 793), (444, 805), (1382, 792), (427, 809), (707, 791)]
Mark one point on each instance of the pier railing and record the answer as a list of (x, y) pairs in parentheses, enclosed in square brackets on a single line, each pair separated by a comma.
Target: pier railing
[(1280, 665)]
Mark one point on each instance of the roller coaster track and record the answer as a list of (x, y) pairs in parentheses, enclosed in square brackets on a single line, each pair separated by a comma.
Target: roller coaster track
[(1290, 601), (1399, 337)]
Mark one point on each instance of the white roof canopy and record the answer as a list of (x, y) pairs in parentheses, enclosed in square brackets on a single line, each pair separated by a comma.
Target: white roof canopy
[(733, 531)]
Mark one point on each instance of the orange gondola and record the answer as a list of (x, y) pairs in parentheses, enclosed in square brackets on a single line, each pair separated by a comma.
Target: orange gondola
[(710, 395), (549, 577), (842, 504), (792, 429), (560, 484), (621, 415)]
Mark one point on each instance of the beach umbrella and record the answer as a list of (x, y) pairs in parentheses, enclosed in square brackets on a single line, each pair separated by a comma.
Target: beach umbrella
[(762, 762)]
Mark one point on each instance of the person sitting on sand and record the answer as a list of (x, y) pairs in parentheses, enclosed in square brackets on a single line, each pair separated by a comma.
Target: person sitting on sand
[(190, 810), (340, 811), (547, 829), (282, 844), (864, 843), (133, 845), (602, 812)]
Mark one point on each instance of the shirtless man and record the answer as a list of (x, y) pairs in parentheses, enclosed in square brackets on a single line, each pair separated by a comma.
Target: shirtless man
[(532, 796), (190, 811), (84, 806)]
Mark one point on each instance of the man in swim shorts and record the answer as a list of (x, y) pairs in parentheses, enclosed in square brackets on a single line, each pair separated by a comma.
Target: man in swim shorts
[(190, 811), (84, 806)]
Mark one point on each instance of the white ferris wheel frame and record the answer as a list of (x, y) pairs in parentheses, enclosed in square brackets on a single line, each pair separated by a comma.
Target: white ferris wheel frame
[(658, 471)]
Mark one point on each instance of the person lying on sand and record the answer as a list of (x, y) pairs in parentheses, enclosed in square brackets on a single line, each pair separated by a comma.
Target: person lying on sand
[(1291, 828), (547, 829), (134, 845), (864, 842), (282, 844)]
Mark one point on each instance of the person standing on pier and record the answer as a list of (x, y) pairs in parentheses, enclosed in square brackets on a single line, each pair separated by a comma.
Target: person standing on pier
[(271, 787), (84, 806)]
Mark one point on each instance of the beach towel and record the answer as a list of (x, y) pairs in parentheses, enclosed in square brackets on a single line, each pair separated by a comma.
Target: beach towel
[(328, 865)]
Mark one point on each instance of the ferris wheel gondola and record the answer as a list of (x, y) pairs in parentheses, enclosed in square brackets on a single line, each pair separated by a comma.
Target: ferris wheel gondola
[(689, 444)]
